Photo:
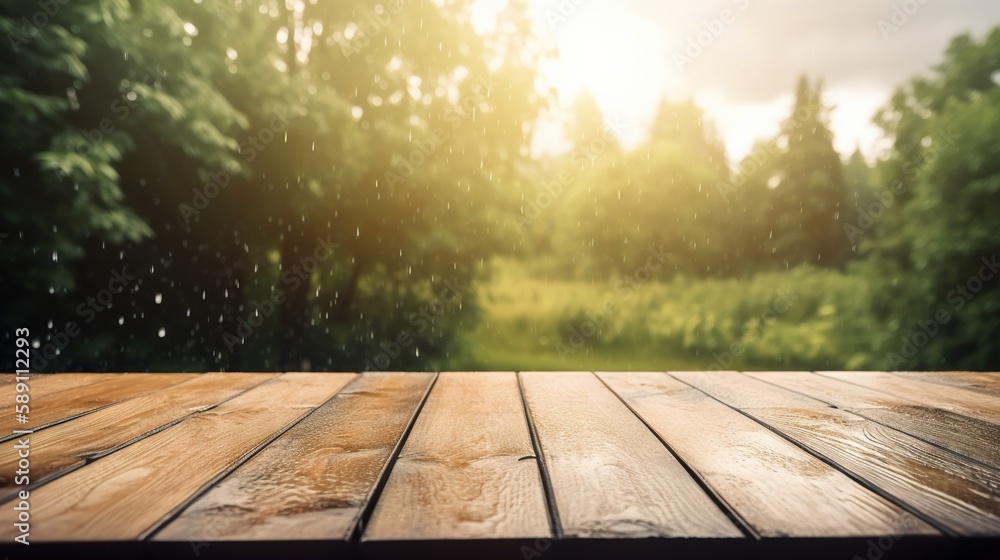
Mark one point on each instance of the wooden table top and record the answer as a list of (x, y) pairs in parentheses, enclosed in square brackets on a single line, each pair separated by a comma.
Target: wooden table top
[(504, 465)]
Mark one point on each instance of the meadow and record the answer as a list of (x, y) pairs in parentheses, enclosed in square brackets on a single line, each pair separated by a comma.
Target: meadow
[(805, 318)]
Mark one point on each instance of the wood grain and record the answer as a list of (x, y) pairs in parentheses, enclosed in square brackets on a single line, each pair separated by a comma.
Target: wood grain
[(959, 495), (71, 444), (971, 437), (738, 391), (776, 487), (51, 408), (831, 391), (960, 401), (40, 387), (981, 382), (460, 473), (611, 477), (121, 496), (313, 481), (43, 384)]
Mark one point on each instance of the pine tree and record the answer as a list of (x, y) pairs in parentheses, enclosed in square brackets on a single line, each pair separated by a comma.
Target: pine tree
[(810, 197)]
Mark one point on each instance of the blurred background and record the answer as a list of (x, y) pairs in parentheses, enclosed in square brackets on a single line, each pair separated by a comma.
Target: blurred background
[(192, 185)]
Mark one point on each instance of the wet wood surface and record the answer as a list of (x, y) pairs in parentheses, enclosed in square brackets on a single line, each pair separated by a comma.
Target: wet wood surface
[(124, 495), (504, 465), (41, 387), (611, 477), (743, 461), (65, 446), (958, 400), (988, 383), (967, 436), (48, 409), (954, 494), (313, 482), (467, 470)]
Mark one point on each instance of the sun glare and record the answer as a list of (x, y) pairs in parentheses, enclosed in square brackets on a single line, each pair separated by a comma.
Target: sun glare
[(606, 53), (624, 61), (618, 58)]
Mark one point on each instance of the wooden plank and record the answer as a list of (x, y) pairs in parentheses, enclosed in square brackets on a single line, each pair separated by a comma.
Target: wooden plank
[(776, 487), (54, 407), (831, 391), (41, 386), (733, 389), (68, 445), (971, 437), (125, 494), (610, 476), (313, 482), (960, 496), (460, 473), (960, 401), (981, 382)]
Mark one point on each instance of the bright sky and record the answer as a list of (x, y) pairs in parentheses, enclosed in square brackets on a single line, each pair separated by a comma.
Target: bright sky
[(625, 52)]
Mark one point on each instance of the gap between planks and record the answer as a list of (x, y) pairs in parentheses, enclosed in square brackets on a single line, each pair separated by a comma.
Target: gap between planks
[(65, 447), (121, 497), (737, 519), (777, 488), (971, 438), (950, 495), (326, 457)]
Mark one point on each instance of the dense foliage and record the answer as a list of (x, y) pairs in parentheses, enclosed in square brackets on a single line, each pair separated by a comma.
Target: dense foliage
[(243, 184)]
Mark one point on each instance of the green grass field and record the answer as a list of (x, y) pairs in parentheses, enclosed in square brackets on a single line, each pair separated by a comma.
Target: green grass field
[(800, 319)]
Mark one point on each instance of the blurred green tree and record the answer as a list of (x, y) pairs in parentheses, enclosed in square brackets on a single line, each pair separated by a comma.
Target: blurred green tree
[(933, 253), (810, 196)]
